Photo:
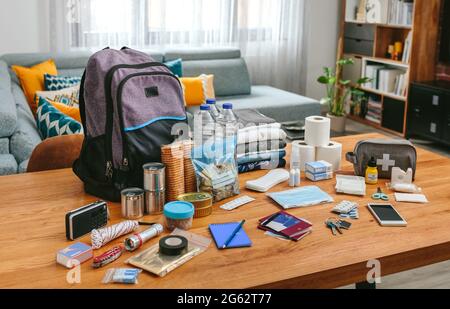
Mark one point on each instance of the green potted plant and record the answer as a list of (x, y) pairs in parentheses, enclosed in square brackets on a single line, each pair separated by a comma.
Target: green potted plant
[(338, 91)]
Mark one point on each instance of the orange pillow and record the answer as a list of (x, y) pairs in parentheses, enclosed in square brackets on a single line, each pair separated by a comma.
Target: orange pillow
[(198, 89), (32, 79), (71, 111)]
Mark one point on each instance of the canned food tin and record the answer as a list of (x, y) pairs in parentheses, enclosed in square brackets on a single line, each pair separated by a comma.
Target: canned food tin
[(154, 177), (154, 202), (202, 202), (132, 203)]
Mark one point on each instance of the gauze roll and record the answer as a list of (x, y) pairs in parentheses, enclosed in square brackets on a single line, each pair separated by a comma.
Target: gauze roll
[(302, 153), (317, 131), (332, 153)]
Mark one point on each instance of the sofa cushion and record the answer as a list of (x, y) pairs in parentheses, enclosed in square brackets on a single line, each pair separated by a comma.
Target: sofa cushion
[(4, 145), (57, 82), (198, 89), (8, 164), (8, 114), (26, 135), (23, 167), (202, 54), (69, 96), (175, 66), (278, 104), (51, 122), (230, 75), (32, 79)]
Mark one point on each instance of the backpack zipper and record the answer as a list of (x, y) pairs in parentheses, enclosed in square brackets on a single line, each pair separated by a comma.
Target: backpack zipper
[(110, 109), (125, 161)]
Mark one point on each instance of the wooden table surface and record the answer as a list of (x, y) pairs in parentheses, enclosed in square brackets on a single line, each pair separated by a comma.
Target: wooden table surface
[(32, 230)]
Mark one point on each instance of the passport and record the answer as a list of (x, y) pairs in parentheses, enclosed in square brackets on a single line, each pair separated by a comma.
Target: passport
[(286, 225)]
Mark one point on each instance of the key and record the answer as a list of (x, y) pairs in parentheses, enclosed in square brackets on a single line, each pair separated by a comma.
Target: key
[(331, 226), (344, 224), (337, 227)]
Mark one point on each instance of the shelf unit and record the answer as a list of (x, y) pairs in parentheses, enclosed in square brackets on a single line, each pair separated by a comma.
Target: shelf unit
[(368, 43)]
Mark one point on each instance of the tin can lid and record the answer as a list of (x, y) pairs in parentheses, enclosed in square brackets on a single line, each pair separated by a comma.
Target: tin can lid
[(132, 193), (179, 210), (195, 197), (155, 166)]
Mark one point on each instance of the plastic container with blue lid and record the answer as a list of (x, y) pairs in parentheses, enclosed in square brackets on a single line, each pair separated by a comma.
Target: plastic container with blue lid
[(179, 214)]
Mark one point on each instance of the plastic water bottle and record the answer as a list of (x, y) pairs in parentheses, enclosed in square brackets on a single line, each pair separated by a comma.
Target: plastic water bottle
[(228, 121), (227, 128), (204, 125), (213, 108)]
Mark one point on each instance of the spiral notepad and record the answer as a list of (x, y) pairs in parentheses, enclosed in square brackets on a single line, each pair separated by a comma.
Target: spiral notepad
[(221, 232)]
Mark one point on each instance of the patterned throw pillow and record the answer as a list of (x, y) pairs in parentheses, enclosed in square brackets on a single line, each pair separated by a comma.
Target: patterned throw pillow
[(68, 96), (51, 122), (55, 82)]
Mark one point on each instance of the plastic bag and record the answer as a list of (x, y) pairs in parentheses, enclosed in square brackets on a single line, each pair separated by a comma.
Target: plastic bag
[(121, 275), (159, 264), (216, 168)]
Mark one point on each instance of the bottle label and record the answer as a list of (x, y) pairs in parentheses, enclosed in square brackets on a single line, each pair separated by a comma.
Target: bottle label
[(372, 177)]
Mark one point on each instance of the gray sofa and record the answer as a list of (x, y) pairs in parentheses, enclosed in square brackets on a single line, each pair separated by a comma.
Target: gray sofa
[(18, 131)]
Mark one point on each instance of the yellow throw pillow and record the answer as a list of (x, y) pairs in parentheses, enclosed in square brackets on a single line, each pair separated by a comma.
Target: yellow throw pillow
[(198, 89), (32, 79), (72, 112)]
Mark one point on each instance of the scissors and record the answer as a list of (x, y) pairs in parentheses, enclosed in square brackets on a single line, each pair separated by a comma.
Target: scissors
[(380, 195)]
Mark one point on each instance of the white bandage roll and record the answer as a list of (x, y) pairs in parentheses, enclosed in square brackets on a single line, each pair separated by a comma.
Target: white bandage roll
[(302, 153), (332, 153), (317, 131)]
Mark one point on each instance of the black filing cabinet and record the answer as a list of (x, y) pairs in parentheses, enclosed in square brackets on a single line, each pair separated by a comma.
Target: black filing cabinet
[(429, 111)]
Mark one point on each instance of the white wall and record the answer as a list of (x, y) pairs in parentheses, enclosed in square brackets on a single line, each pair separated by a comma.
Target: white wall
[(322, 30), (24, 26)]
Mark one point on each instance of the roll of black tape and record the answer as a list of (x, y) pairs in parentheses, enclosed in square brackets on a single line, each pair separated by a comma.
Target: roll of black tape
[(173, 245)]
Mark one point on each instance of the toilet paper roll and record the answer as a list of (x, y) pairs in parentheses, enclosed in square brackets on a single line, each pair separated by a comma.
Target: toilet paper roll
[(317, 131), (301, 154), (332, 153)]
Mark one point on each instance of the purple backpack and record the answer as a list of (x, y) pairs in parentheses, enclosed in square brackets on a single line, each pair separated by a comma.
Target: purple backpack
[(129, 105)]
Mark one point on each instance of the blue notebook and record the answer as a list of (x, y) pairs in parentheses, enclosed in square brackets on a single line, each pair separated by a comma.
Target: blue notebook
[(221, 232)]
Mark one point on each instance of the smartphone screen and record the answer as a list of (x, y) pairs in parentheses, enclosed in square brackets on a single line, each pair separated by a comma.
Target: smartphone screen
[(386, 212)]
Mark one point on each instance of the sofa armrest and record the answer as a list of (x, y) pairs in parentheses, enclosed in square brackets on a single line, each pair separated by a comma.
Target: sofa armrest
[(8, 113)]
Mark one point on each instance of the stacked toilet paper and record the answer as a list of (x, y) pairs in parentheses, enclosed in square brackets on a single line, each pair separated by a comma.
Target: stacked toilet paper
[(317, 145)]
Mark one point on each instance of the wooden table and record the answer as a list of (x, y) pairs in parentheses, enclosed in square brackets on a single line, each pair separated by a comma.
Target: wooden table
[(32, 231)]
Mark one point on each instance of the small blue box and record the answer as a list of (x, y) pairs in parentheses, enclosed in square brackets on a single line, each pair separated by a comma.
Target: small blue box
[(78, 251), (319, 167), (319, 176)]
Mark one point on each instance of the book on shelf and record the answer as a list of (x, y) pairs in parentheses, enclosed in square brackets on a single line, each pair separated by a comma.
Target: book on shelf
[(374, 109), (407, 48), (371, 119), (386, 79), (372, 72), (400, 12)]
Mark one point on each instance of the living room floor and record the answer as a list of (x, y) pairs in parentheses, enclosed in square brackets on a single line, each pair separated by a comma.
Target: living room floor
[(435, 276)]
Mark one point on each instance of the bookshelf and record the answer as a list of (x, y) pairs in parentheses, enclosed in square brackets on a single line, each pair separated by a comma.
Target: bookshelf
[(367, 43)]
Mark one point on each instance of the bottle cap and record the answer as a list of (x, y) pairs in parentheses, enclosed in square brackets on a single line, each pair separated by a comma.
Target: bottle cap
[(179, 210), (372, 162), (211, 101), (227, 106), (205, 107)]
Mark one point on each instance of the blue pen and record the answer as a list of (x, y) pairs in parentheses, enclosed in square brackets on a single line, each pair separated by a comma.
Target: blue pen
[(236, 230)]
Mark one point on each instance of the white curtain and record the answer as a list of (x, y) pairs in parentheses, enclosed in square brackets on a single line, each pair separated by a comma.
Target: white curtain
[(268, 32)]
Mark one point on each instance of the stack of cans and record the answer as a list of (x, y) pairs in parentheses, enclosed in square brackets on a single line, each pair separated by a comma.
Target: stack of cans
[(155, 187), (190, 180)]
